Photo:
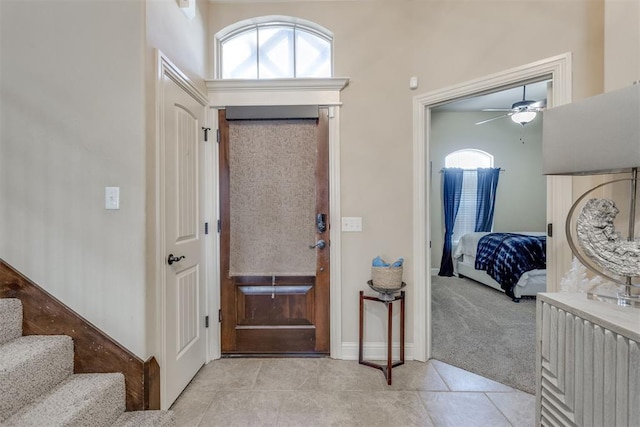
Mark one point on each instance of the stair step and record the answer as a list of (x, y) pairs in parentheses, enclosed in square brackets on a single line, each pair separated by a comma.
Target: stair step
[(30, 366), (146, 419), (38, 387), (81, 400), (10, 319)]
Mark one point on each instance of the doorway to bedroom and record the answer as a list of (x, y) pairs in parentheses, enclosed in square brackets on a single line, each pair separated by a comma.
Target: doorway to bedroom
[(475, 324), (479, 132), (557, 69)]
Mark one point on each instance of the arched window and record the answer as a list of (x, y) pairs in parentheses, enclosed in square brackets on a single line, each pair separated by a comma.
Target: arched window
[(469, 160), (274, 47)]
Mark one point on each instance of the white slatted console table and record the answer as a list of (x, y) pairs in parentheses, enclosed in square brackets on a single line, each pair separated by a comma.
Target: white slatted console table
[(588, 362)]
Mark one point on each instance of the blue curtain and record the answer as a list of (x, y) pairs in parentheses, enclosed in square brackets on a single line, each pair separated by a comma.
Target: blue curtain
[(486, 197), (452, 179)]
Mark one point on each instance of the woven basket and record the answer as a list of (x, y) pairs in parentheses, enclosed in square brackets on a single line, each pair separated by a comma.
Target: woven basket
[(386, 277)]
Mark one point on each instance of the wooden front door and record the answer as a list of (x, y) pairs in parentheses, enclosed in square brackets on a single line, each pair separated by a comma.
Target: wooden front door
[(274, 207)]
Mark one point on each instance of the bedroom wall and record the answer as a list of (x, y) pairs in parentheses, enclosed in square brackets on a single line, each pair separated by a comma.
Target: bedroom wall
[(521, 194), (379, 45)]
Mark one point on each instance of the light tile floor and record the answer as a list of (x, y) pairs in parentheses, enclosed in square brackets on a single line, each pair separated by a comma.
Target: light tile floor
[(326, 392)]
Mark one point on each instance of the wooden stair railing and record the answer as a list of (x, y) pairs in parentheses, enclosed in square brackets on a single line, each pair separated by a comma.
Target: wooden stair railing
[(94, 351)]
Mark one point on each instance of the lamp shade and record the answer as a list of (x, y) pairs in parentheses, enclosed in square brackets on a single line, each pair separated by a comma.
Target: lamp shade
[(523, 117), (600, 134)]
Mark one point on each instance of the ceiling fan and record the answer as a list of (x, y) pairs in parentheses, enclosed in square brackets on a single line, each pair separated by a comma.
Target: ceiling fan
[(521, 112)]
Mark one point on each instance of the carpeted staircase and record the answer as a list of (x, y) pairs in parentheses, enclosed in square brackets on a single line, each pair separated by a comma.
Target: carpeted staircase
[(38, 386)]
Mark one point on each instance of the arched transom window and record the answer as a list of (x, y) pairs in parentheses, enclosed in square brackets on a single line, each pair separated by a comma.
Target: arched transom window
[(274, 47)]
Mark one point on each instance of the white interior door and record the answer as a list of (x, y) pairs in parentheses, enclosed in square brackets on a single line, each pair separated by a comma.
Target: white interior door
[(184, 348)]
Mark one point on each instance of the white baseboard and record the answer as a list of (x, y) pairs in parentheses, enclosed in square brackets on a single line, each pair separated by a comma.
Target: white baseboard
[(375, 351), (435, 271)]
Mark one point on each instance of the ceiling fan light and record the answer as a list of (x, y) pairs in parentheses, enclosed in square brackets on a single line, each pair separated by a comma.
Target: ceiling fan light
[(523, 117)]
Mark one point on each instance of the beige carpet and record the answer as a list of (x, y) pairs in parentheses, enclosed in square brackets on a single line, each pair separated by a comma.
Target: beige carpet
[(481, 330)]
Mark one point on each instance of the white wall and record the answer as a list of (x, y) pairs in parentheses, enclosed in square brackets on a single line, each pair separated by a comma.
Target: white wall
[(621, 43), (77, 113), (621, 65), (76, 98), (521, 194), (185, 41), (72, 122), (621, 69), (379, 45)]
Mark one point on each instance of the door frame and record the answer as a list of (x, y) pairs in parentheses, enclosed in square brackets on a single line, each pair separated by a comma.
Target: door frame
[(559, 189), (166, 69), (324, 92)]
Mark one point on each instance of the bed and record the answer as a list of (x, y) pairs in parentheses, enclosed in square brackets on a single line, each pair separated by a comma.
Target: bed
[(514, 263)]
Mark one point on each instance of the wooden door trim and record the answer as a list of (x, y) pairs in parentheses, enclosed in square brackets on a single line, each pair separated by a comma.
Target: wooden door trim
[(227, 302), (323, 258)]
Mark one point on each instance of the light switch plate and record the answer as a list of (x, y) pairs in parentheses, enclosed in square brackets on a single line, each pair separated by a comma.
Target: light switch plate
[(351, 223), (112, 198)]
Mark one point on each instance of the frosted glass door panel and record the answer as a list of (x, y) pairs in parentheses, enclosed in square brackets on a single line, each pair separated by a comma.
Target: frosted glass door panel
[(272, 197)]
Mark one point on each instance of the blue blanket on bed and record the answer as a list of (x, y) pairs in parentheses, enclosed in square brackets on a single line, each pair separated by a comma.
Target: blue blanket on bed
[(507, 256)]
